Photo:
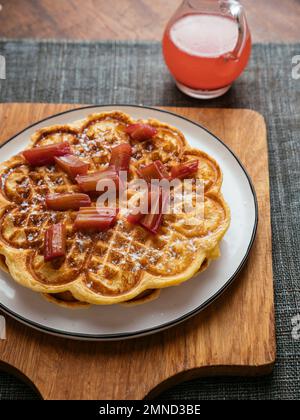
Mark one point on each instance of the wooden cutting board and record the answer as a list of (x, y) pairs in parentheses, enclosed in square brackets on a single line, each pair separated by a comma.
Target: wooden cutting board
[(234, 336)]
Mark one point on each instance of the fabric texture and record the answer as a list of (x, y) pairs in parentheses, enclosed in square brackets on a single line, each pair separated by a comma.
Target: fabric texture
[(134, 72)]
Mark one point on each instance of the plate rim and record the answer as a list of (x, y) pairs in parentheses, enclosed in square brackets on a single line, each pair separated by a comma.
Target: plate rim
[(169, 324)]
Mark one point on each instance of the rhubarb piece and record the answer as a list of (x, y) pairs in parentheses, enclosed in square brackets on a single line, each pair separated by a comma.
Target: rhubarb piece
[(184, 169), (153, 220), (120, 157), (155, 170), (45, 155), (135, 218), (103, 211), (72, 165), (67, 201), (88, 183), (141, 131), (98, 219), (55, 242)]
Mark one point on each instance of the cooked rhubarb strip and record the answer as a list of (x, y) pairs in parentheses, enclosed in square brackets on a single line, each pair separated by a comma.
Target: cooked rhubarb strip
[(55, 242), (72, 165), (88, 183), (67, 201), (153, 220), (103, 211), (120, 157), (141, 131), (99, 219), (135, 218), (90, 222), (155, 170), (45, 155), (184, 169)]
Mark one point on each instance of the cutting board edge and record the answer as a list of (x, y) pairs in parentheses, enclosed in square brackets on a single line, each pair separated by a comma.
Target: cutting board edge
[(212, 371), (203, 371)]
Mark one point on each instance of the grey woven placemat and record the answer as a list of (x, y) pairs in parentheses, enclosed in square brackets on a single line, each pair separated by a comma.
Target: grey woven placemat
[(130, 72)]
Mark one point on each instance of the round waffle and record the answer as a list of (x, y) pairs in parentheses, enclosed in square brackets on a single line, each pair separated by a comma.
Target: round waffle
[(125, 264)]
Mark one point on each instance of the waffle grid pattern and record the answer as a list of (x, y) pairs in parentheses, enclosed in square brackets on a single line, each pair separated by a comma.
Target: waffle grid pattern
[(112, 263)]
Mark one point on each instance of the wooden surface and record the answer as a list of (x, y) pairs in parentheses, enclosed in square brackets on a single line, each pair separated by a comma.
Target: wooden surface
[(270, 20), (235, 335)]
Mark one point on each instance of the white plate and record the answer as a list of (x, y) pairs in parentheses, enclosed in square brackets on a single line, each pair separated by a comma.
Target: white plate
[(175, 304)]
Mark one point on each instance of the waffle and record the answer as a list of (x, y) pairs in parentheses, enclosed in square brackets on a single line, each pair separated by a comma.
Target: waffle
[(125, 264)]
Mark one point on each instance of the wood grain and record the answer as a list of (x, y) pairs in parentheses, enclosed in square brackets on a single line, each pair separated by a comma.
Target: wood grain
[(235, 335), (270, 20)]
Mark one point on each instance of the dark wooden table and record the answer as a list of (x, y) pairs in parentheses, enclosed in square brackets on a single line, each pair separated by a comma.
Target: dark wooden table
[(270, 20)]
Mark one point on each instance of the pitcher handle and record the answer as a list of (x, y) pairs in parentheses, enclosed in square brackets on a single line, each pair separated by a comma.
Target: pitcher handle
[(237, 12)]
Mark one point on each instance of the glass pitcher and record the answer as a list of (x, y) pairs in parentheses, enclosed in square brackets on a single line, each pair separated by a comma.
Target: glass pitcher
[(206, 46)]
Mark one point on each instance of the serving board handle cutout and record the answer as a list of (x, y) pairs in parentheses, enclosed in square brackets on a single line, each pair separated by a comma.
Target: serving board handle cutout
[(233, 336)]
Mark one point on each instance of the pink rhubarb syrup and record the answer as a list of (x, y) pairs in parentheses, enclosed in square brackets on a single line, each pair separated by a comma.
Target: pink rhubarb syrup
[(195, 49)]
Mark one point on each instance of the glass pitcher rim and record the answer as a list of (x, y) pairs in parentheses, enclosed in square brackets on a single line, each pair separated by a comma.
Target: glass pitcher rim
[(212, 2)]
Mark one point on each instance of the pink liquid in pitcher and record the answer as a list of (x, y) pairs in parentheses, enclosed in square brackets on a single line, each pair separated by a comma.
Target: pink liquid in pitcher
[(195, 49)]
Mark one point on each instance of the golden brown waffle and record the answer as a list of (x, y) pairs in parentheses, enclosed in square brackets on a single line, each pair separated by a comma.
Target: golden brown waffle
[(125, 263)]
